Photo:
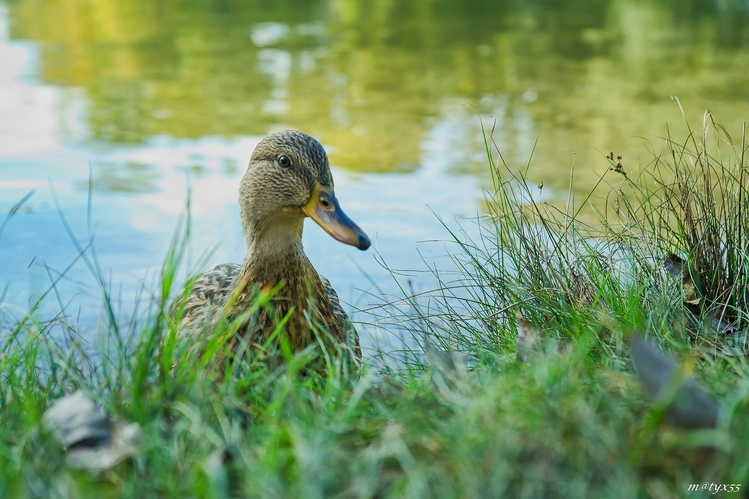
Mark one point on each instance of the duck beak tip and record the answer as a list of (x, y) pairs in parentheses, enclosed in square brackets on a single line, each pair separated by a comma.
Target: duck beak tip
[(364, 242)]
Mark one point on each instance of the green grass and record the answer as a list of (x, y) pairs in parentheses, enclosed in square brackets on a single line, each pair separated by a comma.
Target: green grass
[(572, 421)]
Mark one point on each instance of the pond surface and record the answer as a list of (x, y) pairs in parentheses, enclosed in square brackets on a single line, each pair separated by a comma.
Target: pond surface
[(138, 100)]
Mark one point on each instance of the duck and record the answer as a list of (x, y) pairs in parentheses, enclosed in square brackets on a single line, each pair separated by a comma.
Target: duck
[(288, 180)]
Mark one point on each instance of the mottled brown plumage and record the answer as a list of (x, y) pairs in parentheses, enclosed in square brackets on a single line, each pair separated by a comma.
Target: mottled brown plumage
[(288, 178)]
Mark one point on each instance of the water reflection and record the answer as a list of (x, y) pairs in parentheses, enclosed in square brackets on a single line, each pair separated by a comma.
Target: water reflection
[(146, 93), (122, 177), (368, 78)]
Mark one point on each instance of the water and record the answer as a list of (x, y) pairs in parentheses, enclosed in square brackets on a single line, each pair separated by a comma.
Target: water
[(146, 98)]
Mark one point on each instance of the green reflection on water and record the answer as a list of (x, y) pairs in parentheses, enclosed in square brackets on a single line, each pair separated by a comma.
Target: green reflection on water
[(128, 176), (370, 78)]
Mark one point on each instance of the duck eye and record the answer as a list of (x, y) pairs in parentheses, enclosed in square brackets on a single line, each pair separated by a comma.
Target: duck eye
[(284, 161)]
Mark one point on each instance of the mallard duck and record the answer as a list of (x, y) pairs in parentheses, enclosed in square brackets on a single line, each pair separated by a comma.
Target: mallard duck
[(287, 180)]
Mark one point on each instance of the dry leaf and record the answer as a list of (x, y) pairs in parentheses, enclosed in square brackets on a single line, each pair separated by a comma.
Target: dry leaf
[(690, 406), (93, 441)]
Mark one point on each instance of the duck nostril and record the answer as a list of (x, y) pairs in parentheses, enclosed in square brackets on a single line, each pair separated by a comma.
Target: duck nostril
[(325, 203)]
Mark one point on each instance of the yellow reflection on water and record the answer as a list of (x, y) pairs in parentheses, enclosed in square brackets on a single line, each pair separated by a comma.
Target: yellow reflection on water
[(373, 79)]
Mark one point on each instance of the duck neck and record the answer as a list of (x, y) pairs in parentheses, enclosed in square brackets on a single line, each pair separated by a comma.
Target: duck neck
[(275, 256), (275, 253), (267, 241)]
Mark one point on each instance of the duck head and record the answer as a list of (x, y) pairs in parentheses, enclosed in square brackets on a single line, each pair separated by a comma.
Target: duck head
[(287, 180)]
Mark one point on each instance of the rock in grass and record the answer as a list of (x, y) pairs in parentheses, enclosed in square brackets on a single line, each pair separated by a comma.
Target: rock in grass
[(449, 369), (532, 342), (77, 421), (529, 339), (688, 405), (679, 269), (93, 441), (734, 341)]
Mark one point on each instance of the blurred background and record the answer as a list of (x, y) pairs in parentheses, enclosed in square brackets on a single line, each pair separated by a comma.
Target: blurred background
[(138, 101)]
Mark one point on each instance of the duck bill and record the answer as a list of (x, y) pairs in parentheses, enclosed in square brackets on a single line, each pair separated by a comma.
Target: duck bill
[(324, 209)]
